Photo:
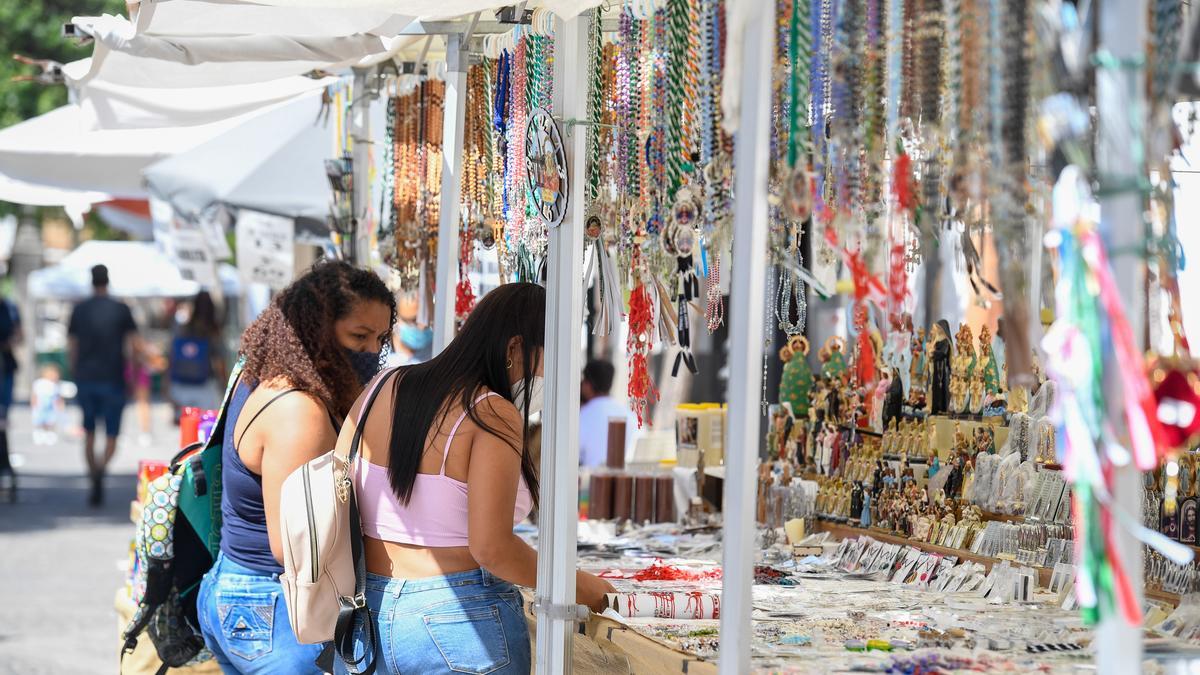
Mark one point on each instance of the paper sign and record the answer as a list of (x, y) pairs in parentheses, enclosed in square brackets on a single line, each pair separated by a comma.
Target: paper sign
[(266, 251), (191, 254)]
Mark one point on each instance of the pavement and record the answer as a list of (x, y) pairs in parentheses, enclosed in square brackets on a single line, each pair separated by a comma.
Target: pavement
[(61, 561)]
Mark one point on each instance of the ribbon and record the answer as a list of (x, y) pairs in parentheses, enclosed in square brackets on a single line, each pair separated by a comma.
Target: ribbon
[(641, 335)]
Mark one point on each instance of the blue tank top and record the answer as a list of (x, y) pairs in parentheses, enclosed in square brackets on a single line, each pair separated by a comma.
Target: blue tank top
[(243, 521)]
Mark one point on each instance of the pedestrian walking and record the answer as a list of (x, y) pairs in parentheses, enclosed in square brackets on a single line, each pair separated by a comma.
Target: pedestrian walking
[(197, 360), (307, 358), (47, 403), (102, 340), (10, 337)]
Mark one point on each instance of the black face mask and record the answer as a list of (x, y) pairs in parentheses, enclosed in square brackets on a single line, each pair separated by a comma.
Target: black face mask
[(365, 364)]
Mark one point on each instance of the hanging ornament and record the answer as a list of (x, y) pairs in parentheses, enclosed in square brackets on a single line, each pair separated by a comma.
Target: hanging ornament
[(680, 240), (603, 272), (546, 167), (641, 338)]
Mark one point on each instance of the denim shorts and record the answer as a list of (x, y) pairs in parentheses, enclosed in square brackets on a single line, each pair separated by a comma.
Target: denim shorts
[(468, 622), (105, 400), (244, 620)]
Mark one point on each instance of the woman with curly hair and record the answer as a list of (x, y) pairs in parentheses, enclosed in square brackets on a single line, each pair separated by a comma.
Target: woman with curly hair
[(307, 358)]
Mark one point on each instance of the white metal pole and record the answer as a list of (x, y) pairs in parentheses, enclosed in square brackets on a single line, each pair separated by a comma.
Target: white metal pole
[(451, 198), (557, 518), (356, 247), (1120, 101), (746, 336)]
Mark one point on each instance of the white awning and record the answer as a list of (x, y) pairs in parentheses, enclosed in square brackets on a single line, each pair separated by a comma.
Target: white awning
[(430, 9), (135, 270), (272, 163), (203, 43), (64, 150), (109, 105)]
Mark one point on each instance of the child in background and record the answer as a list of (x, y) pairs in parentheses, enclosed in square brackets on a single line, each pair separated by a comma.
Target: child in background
[(47, 403)]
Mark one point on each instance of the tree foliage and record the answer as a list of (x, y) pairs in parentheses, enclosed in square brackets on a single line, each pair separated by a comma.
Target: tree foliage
[(34, 28)]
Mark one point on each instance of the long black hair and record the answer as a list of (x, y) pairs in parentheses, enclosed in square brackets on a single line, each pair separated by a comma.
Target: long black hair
[(475, 360)]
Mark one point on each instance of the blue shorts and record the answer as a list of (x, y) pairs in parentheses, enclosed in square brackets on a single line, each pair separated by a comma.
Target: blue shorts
[(467, 622), (105, 400), (6, 394), (244, 620)]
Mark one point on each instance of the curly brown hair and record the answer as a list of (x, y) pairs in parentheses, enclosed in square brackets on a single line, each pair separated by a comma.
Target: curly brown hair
[(294, 339)]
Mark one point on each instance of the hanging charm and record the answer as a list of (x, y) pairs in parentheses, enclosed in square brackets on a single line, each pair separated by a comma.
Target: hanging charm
[(546, 167), (680, 240), (641, 337), (608, 315)]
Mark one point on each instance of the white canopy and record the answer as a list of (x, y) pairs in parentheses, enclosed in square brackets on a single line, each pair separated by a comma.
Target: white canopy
[(125, 56), (66, 149), (430, 9), (202, 43), (135, 270), (109, 105), (273, 163)]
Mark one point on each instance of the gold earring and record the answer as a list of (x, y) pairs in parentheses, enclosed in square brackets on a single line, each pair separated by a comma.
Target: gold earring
[(508, 365)]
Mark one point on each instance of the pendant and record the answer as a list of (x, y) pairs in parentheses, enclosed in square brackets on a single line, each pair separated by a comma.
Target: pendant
[(797, 194)]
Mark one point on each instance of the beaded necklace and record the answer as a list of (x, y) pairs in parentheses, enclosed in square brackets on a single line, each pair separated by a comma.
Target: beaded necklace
[(596, 92), (709, 126), (788, 233), (518, 101)]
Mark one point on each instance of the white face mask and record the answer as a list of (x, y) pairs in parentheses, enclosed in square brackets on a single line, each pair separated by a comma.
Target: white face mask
[(535, 395)]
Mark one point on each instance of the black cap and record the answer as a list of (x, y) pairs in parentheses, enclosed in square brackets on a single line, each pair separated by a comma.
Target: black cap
[(100, 276)]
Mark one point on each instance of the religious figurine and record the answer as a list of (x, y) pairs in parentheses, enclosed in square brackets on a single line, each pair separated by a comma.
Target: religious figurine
[(989, 371), (917, 367), (1018, 400), (1188, 502), (957, 396), (868, 509), (940, 351), (968, 480), (795, 387), (893, 399), (961, 444), (856, 501), (889, 437), (977, 396), (835, 365), (965, 344)]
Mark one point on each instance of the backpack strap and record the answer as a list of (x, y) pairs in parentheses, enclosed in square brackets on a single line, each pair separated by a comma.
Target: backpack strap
[(352, 608), (274, 398)]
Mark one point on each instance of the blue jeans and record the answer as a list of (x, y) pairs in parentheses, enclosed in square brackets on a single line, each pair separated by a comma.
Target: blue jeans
[(105, 400), (468, 622), (244, 619)]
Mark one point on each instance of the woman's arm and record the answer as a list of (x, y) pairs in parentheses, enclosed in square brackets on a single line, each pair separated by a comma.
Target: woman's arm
[(294, 430), (492, 479)]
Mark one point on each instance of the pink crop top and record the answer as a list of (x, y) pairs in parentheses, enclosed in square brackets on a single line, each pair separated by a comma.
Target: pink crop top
[(436, 513)]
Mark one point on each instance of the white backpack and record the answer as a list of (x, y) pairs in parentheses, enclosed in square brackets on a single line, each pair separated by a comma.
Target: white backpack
[(324, 568)]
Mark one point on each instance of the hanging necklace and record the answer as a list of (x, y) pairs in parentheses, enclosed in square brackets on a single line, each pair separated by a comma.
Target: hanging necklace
[(796, 202)]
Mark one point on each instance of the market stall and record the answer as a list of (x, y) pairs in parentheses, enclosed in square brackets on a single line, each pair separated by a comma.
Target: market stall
[(938, 485)]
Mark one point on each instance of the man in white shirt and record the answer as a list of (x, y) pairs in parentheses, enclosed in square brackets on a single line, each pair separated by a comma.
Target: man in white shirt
[(597, 408)]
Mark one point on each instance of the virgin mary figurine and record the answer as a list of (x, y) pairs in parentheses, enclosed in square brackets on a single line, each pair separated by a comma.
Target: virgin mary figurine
[(939, 378)]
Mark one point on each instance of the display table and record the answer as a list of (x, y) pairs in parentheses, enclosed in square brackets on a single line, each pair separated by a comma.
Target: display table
[(607, 647)]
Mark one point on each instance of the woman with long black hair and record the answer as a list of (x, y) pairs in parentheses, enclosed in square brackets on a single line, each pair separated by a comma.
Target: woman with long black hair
[(443, 474)]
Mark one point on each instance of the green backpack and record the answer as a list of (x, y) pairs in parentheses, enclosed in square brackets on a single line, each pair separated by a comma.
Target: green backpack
[(175, 544)]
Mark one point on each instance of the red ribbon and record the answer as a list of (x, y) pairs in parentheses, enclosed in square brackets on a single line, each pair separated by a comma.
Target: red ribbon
[(902, 182), (641, 330)]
